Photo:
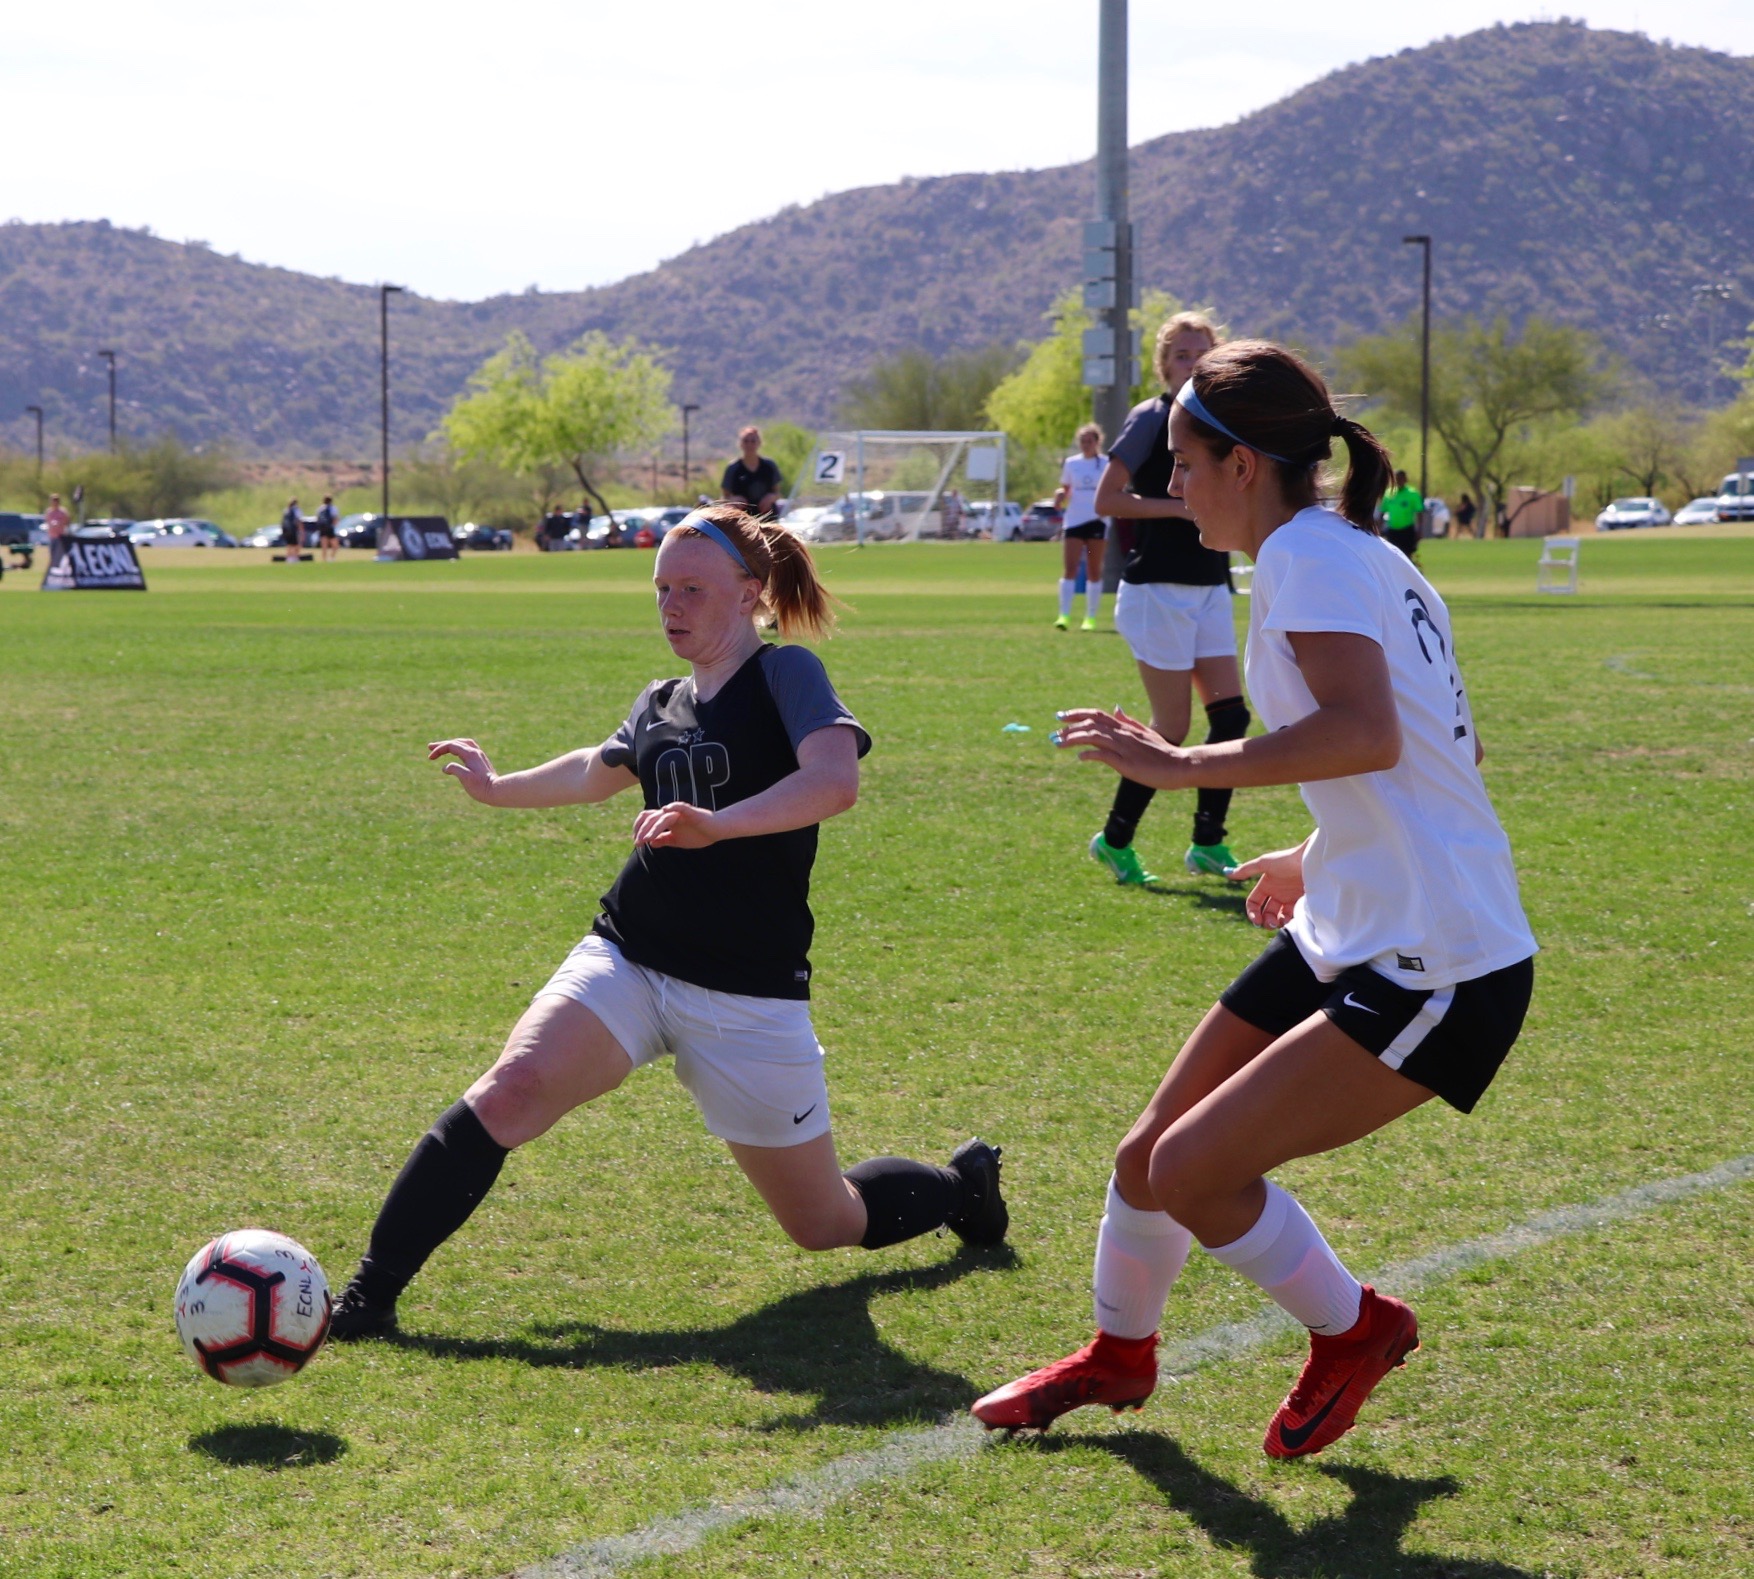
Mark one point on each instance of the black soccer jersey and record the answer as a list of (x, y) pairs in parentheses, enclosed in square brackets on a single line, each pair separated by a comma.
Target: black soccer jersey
[(1163, 550), (734, 917), (750, 485)]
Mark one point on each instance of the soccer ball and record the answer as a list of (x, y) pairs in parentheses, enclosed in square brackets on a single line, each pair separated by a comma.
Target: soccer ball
[(252, 1308)]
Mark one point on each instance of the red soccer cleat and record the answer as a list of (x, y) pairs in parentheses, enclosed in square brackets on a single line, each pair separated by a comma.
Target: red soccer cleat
[(1339, 1375), (1119, 1372)]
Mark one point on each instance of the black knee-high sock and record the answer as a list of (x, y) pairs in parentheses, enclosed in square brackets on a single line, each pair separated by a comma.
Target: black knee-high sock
[(1225, 720), (1123, 819), (444, 1179), (903, 1198)]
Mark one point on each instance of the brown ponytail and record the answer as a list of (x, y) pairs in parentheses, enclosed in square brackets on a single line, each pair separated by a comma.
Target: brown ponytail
[(792, 594), (1275, 402)]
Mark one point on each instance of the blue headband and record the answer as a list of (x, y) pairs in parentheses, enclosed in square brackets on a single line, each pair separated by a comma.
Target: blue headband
[(701, 524), (1195, 407)]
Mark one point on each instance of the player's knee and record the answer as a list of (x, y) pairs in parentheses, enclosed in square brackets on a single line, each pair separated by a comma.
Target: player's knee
[(821, 1232), (1226, 720), (512, 1100), (1177, 1175), (1133, 1168)]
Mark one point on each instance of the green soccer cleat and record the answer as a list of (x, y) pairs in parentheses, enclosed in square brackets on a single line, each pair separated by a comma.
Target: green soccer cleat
[(1088, 625), (1062, 623), (1209, 860), (1124, 863)]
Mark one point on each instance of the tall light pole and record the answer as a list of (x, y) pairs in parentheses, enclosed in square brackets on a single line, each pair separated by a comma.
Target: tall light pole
[(1424, 360), (110, 356), (1108, 244), (685, 414), (37, 412), (384, 294)]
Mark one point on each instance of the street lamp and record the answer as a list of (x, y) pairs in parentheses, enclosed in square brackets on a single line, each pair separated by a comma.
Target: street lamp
[(1424, 360), (685, 411), (384, 293), (110, 356), (37, 412)]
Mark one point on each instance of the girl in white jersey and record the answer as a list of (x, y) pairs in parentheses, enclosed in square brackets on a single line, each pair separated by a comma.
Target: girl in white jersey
[(1082, 539), (1403, 966)]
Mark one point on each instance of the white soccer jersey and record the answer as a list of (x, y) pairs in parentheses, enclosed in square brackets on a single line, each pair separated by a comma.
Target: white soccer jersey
[(1409, 871), (1081, 474)]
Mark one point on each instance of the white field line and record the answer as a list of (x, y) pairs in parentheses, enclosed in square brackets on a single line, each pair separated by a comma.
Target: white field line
[(959, 1436)]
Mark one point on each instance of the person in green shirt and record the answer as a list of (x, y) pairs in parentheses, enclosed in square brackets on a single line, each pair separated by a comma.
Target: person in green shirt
[(1401, 514)]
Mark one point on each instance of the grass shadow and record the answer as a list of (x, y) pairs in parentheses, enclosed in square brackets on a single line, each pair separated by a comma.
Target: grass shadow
[(1232, 898), (1363, 1542), (820, 1342), (268, 1445)]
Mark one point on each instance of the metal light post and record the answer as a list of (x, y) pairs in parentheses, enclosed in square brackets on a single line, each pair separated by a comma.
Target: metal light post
[(685, 413), (1424, 360), (384, 294), (37, 412), (1108, 245), (110, 356)]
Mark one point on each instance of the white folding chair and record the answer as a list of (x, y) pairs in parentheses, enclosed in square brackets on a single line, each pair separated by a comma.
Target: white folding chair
[(1556, 570)]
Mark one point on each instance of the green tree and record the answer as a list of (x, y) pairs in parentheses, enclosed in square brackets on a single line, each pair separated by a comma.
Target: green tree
[(143, 482), (915, 391), (1646, 446), (576, 410), (1494, 392)]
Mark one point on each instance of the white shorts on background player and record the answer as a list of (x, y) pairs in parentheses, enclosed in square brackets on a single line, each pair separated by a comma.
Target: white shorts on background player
[(752, 1065), (1168, 625), (1409, 871)]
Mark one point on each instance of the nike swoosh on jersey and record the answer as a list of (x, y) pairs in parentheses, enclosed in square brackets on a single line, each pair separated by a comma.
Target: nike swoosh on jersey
[(1296, 1436), (798, 1118), (1352, 1003)]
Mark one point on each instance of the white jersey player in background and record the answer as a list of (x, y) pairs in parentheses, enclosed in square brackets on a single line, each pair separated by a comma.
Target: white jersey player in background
[(1085, 530), (1404, 965)]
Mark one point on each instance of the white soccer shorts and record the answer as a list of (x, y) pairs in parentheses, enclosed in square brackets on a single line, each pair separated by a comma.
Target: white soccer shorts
[(1169, 626)]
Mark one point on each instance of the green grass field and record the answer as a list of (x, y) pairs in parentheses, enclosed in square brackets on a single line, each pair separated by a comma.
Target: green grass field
[(255, 943)]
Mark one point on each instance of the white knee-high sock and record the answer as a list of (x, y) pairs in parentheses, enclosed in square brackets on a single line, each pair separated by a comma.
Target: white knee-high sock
[(1138, 1257), (1286, 1255), (1068, 591), (1093, 596)]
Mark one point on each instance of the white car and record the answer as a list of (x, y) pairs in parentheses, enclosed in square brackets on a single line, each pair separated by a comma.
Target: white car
[(1698, 512), (983, 515), (175, 534), (1638, 511), (804, 521)]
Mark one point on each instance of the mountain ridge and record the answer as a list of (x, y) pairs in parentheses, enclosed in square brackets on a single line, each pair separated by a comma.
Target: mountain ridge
[(1590, 176)]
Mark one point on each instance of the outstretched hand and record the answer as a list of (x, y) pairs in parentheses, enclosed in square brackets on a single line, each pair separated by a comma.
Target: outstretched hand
[(471, 769), (1278, 886), (1132, 749), (678, 826)]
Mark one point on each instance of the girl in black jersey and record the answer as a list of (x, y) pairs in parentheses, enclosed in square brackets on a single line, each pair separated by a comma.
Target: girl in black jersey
[(738, 762), (1174, 610)]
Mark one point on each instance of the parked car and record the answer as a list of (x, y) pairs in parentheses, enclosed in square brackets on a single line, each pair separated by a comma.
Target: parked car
[(1637, 511), (984, 515), (488, 539), (19, 528), (183, 532), (1698, 512), (1043, 521), (1735, 497), (804, 521), (104, 529)]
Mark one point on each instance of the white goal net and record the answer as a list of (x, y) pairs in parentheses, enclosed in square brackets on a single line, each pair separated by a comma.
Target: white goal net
[(871, 484)]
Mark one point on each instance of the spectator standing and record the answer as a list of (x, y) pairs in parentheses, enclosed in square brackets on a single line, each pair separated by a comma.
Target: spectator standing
[(555, 525), (1401, 509), (55, 521), (292, 531), (1465, 514), (328, 542), (950, 511), (752, 480)]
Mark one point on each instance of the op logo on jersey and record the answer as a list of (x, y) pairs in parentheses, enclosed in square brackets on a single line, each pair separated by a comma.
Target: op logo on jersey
[(693, 771), (1421, 615)]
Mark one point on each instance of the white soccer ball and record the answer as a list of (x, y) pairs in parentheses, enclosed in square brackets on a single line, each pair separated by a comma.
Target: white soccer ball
[(252, 1308)]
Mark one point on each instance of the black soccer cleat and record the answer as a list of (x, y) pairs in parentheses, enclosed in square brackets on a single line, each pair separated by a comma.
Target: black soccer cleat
[(981, 1217), (357, 1316)]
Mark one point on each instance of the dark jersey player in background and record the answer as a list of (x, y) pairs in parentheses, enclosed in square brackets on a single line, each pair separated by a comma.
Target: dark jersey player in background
[(752, 480), (702, 947), (1173, 608)]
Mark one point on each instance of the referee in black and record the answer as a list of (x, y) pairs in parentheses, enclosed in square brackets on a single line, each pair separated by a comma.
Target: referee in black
[(752, 480)]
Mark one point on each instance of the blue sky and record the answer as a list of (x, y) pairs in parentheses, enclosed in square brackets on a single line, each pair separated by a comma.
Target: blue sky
[(572, 144)]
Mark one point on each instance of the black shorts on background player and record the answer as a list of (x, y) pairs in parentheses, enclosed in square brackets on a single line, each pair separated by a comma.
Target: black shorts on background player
[(750, 485)]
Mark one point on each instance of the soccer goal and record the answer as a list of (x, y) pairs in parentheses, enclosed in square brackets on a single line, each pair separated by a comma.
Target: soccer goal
[(875, 483)]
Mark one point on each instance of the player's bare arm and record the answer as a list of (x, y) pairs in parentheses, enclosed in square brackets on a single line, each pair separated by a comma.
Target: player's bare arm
[(579, 778), (1112, 498), (825, 784), (1354, 729)]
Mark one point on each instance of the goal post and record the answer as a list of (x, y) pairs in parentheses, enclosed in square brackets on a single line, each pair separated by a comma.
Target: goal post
[(872, 483)]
